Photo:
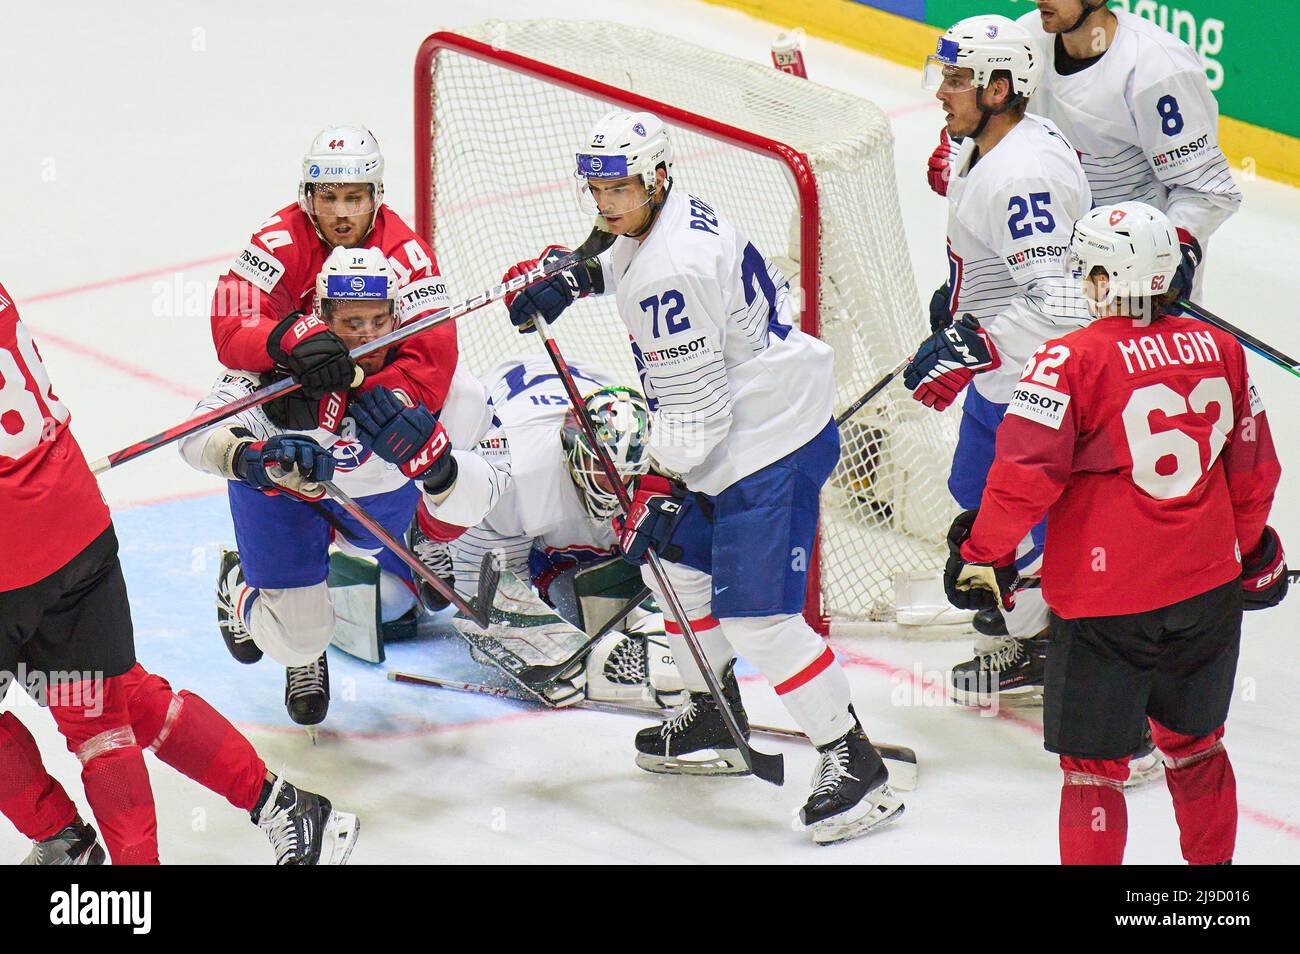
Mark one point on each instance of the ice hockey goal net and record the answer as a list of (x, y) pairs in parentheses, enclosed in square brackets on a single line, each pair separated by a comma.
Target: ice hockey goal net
[(805, 171)]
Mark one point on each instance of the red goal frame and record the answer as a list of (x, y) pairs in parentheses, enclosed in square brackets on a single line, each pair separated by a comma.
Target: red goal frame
[(796, 164)]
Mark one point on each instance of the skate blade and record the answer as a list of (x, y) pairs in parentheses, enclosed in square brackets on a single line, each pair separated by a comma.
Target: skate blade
[(339, 838), (724, 762), (1023, 697), (877, 809), (1145, 770)]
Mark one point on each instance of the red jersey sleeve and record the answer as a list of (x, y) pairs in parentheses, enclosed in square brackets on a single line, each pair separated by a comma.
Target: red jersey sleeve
[(1249, 458), (263, 285), (422, 365), (1034, 459)]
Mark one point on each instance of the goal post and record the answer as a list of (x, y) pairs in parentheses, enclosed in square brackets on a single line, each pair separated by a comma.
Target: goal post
[(806, 172)]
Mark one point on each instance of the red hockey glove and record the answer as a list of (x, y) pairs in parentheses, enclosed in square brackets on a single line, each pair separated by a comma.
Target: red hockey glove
[(315, 356), (940, 167)]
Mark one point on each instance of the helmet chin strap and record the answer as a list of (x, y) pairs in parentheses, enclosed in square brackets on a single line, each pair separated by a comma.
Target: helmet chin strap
[(1087, 12), (655, 207), (988, 112)]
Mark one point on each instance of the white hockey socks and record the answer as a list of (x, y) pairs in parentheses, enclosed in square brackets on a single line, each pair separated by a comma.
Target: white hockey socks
[(801, 668)]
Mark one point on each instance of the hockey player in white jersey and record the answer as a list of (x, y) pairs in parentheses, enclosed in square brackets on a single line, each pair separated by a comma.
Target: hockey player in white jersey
[(742, 440), (272, 595), (552, 528), (1133, 99), (1015, 192)]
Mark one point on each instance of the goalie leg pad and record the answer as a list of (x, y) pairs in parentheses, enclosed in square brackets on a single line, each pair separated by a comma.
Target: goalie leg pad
[(530, 643)]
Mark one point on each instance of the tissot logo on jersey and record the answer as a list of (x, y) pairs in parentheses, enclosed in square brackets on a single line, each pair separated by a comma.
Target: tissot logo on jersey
[(1037, 403), (1036, 254), (260, 268), (660, 356), (1181, 152)]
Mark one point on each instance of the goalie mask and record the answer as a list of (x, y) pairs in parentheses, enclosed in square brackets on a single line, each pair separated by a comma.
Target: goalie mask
[(621, 419), (340, 158), (356, 295), (1135, 244)]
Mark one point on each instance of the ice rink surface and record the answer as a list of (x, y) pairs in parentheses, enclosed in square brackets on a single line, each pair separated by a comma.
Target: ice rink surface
[(140, 152)]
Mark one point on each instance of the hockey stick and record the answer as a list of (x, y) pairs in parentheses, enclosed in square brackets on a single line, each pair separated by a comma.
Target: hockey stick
[(621, 614), (397, 336), (489, 571), (902, 767), (1283, 361), (875, 389), (770, 768)]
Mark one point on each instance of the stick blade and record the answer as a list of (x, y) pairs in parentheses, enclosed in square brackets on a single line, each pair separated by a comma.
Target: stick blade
[(489, 576), (770, 768)]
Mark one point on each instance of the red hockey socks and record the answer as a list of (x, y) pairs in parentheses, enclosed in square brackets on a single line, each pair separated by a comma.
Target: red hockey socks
[(1094, 817), (30, 798), (194, 738), (1204, 790), (92, 716)]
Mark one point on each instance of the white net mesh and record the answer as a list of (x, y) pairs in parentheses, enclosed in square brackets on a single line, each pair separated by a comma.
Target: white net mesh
[(501, 160)]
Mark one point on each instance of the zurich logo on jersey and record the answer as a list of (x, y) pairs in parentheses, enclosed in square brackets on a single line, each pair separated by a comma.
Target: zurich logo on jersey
[(314, 171)]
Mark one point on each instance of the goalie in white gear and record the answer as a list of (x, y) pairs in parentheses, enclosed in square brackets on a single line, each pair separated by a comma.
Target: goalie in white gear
[(552, 528), (741, 442), (1015, 192)]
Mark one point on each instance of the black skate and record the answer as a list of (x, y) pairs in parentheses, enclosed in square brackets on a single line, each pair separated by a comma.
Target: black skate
[(307, 691), (850, 790), (697, 726), (304, 828), (1011, 671), (78, 844), (230, 577), (437, 558), (989, 622)]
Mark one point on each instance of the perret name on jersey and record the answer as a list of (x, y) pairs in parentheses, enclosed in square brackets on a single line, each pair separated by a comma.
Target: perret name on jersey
[(1155, 351)]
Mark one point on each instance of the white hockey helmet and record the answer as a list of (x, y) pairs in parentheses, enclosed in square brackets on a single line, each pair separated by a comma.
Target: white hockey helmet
[(984, 45), (355, 274), (620, 145), (1134, 242), (621, 419), (342, 154)]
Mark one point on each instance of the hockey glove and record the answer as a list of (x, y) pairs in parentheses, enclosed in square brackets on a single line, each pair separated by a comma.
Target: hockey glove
[(947, 360), (406, 435), (1264, 579), (940, 315), (549, 297), (940, 168), (296, 411), (315, 356), (976, 586), (656, 508), (1180, 286), (286, 462)]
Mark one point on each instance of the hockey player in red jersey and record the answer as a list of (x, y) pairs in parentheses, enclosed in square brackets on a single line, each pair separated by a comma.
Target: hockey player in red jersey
[(1143, 439), (258, 304), (64, 617)]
